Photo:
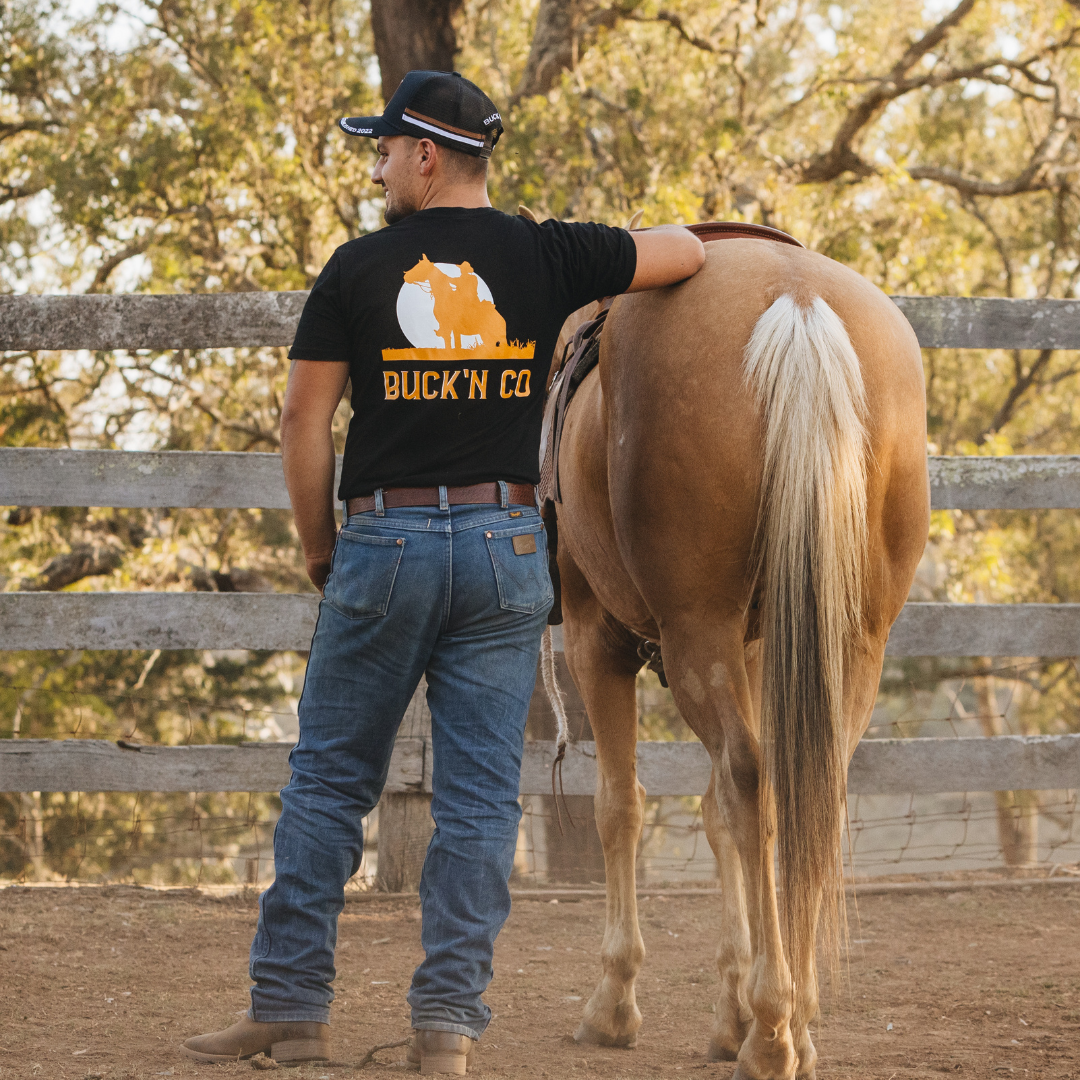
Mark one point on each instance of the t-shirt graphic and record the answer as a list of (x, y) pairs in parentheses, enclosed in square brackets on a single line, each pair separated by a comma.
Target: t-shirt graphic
[(448, 313), (448, 321)]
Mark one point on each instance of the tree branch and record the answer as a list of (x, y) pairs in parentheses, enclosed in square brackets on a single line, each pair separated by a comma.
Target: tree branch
[(111, 263), (1025, 380), (10, 193), (842, 157), (1030, 179), (676, 23), (17, 127), (259, 435), (999, 243), (84, 560)]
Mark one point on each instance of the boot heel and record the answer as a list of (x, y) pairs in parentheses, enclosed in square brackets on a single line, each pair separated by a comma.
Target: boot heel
[(443, 1063), (300, 1050)]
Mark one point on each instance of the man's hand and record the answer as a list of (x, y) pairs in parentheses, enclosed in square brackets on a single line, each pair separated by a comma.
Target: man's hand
[(307, 453), (318, 570), (665, 254)]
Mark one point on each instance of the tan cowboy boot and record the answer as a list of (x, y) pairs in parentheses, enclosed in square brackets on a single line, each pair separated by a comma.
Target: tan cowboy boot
[(441, 1052), (292, 1041)]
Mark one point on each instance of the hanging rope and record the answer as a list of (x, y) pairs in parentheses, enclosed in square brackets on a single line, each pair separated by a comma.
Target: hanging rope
[(562, 735)]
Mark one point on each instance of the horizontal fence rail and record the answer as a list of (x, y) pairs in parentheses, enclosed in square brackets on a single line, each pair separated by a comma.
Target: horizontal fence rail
[(139, 321), (985, 322), (286, 621), (96, 765), (153, 620), (214, 479), (1017, 482), (226, 320), (878, 767), (36, 476)]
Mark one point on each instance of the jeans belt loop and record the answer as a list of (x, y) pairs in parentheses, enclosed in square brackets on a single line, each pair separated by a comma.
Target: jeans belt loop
[(444, 499), (380, 510), (504, 495)]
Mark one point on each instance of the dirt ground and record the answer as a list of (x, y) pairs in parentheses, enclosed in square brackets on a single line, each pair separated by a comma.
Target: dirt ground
[(106, 983)]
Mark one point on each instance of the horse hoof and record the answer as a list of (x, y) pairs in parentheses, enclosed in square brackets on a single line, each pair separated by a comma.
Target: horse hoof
[(590, 1036), (741, 1074), (722, 1053)]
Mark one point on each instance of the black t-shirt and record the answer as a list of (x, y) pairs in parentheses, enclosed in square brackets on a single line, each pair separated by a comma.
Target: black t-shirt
[(448, 320)]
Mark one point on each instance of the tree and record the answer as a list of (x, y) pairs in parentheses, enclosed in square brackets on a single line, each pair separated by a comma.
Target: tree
[(413, 34)]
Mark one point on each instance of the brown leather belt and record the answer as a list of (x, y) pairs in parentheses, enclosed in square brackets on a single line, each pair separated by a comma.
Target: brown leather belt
[(522, 494)]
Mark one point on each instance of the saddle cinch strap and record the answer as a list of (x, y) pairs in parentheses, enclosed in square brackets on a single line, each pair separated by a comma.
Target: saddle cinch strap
[(579, 358)]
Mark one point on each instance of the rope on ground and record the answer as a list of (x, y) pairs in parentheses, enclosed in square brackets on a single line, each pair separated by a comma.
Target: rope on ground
[(264, 1064)]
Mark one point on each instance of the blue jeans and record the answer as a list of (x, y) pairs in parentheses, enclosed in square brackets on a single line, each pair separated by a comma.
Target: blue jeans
[(417, 590)]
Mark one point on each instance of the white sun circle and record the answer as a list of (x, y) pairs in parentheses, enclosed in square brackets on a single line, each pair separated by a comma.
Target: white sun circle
[(416, 311)]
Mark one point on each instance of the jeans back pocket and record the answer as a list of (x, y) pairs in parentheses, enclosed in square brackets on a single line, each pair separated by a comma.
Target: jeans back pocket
[(363, 574), (521, 567)]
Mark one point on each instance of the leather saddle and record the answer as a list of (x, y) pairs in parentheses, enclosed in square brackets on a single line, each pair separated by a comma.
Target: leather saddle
[(579, 359)]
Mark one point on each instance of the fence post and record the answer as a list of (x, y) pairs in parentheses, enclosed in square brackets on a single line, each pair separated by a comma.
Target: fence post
[(575, 855), (405, 824)]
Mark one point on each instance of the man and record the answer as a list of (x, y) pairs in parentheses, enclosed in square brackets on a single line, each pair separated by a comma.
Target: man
[(445, 322)]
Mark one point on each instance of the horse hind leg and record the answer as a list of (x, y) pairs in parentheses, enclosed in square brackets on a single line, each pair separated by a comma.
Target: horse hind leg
[(604, 664), (768, 1052), (712, 679), (733, 957)]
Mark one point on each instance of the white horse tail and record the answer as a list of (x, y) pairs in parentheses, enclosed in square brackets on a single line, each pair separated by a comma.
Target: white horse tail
[(810, 559)]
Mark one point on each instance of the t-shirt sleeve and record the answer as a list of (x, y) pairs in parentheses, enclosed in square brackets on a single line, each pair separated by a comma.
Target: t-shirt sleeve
[(592, 260), (322, 333)]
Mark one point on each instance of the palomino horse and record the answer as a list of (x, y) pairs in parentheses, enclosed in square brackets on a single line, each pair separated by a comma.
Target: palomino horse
[(744, 481)]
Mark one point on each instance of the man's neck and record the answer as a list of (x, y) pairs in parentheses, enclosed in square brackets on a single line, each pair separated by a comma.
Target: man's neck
[(463, 196)]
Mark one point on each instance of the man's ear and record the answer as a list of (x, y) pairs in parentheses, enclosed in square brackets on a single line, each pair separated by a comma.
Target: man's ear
[(427, 156)]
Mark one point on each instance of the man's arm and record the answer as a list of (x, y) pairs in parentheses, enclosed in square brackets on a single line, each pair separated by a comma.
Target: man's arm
[(665, 254), (307, 453)]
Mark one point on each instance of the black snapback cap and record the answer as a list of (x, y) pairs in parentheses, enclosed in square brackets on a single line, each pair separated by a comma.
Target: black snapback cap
[(438, 105)]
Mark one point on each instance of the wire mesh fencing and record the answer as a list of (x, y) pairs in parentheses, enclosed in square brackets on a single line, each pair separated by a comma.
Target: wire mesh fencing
[(151, 843), (227, 839)]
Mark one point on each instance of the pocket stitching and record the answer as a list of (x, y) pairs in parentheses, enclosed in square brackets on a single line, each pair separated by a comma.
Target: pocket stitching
[(378, 541), (498, 534), (375, 541), (548, 594)]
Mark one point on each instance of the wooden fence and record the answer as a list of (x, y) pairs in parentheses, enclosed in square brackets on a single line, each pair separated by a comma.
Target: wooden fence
[(35, 477)]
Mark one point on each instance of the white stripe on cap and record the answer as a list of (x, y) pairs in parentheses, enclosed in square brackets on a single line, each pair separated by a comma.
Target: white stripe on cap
[(406, 119)]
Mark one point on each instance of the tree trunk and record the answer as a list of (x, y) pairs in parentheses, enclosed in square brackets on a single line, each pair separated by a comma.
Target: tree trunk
[(1017, 811), (553, 47), (1018, 826), (33, 820), (34, 836), (575, 855), (412, 34), (405, 824), (564, 30)]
